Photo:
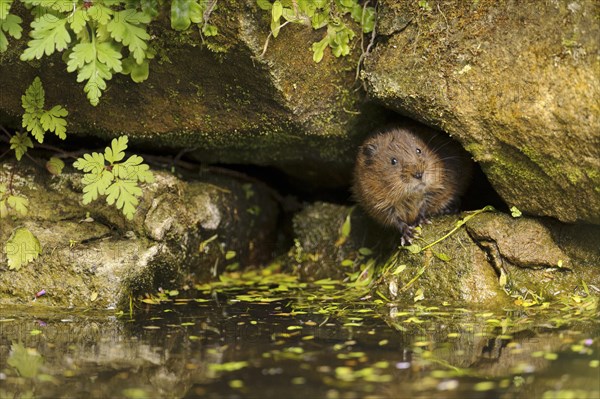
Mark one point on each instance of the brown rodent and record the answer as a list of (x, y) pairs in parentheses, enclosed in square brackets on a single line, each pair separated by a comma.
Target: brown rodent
[(404, 175)]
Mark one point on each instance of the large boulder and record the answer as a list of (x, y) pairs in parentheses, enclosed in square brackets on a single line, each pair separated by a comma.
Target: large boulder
[(182, 233), (517, 84)]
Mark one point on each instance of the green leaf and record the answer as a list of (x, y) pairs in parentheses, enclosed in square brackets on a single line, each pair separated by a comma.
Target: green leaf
[(119, 181), (116, 151), (209, 30), (21, 248), (138, 72), (5, 8), (442, 256), (276, 11), (150, 7), (318, 49), (100, 13), (134, 169), (129, 27), (319, 20), (19, 204), (93, 163), (264, 4), (95, 62), (515, 212), (36, 120), (10, 24), (78, 20), (33, 104), (49, 34), (368, 20), (54, 121), (20, 142), (55, 166), (124, 193), (184, 12), (346, 227)]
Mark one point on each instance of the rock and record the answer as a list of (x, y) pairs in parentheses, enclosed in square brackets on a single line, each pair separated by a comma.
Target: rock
[(183, 232), (517, 86), (485, 263), (537, 255)]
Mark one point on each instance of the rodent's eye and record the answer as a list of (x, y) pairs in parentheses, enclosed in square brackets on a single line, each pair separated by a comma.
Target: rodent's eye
[(418, 150), (394, 161)]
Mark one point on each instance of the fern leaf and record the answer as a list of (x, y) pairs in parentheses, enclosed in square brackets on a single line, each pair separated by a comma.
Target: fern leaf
[(96, 184), (138, 72), (5, 8), (49, 34), (94, 61), (124, 193), (90, 163), (78, 20), (100, 13), (129, 27), (134, 169), (54, 121), (20, 142), (33, 104), (10, 24), (116, 151)]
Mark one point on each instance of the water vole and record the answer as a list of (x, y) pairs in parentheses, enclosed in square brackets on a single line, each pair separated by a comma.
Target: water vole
[(404, 175)]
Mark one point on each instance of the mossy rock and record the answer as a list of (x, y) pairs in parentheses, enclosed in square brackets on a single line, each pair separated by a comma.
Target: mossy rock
[(182, 233), (517, 85)]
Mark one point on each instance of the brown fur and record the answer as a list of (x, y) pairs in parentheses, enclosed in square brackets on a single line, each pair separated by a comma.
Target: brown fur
[(430, 173)]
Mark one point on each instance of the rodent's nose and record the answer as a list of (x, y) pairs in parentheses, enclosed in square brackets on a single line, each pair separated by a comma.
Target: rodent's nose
[(418, 175)]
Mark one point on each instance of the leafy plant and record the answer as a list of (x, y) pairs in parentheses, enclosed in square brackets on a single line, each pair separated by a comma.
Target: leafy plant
[(119, 181), (320, 14), (100, 37), (37, 120)]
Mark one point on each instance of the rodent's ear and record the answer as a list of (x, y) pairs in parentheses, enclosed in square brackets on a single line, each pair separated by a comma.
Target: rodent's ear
[(369, 150)]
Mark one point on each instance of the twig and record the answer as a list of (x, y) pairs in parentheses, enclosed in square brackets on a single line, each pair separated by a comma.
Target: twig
[(366, 51), (269, 37)]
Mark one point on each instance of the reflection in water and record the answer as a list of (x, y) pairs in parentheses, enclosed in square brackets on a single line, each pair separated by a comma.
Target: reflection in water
[(289, 349)]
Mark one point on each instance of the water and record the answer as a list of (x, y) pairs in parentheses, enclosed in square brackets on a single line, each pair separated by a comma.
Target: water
[(308, 344)]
